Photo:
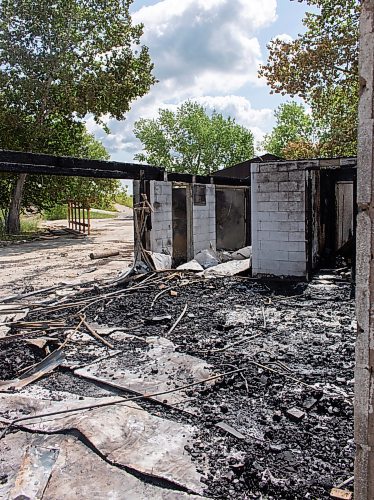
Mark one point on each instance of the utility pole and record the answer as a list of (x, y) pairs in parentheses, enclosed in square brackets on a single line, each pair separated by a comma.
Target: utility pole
[(364, 372)]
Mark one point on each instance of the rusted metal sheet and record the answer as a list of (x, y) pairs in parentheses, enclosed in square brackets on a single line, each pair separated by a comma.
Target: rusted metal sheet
[(78, 473), (34, 472), (158, 369), (124, 434)]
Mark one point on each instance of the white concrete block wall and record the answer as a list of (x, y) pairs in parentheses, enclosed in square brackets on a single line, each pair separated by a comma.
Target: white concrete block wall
[(204, 222), (161, 236), (279, 219)]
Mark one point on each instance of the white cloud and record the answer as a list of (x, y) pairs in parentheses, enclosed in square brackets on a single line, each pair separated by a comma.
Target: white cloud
[(284, 37), (198, 45), (203, 50), (237, 107)]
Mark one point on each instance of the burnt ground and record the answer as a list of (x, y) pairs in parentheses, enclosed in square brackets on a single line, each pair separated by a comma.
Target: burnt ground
[(292, 403), (15, 356)]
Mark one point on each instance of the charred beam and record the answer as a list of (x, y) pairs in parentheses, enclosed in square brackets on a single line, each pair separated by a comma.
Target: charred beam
[(14, 161)]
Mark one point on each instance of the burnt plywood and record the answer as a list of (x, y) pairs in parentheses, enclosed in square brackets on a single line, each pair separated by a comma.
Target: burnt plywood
[(231, 209), (179, 215), (344, 212)]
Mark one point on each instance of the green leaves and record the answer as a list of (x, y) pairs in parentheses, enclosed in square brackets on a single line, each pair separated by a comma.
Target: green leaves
[(43, 192), (71, 57), (59, 61), (321, 66), (295, 135), (189, 140)]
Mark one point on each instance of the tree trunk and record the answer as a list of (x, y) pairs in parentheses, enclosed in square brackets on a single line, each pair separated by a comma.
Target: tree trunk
[(13, 225)]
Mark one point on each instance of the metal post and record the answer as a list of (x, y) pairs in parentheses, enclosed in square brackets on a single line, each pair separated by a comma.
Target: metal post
[(364, 372)]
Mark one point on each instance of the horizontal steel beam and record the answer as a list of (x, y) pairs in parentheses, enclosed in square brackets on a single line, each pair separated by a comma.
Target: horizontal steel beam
[(14, 161)]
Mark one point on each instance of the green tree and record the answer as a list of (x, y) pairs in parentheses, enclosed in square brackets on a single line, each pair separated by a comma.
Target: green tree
[(59, 61), (189, 140), (43, 192), (321, 66), (294, 135)]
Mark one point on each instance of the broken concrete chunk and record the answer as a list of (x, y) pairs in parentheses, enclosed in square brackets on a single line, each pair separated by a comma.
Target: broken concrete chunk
[(295, 414), (40, 342), (192, 265), (173, 293), (224, 256), (207, 258), (228, 268), (309, 403), (161, 261), (341, 494), (243, 253)]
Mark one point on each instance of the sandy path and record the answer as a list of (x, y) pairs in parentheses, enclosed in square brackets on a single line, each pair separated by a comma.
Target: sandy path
[(43, 263)]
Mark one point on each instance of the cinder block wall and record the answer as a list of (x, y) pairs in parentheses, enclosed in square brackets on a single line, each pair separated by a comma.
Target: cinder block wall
[(161, 236), (279, 219), (204, 222)]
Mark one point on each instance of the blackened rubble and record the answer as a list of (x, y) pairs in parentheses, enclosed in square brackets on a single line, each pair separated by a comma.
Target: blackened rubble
[(15, 356), (293, 400)]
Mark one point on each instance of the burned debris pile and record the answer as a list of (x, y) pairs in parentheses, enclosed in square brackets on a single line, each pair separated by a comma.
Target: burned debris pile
[(172, 385)]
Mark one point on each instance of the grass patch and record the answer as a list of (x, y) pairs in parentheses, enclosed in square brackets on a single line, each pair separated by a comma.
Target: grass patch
[(60, 212), (30, 224), (99, 215), (56, 213), (29, 227)]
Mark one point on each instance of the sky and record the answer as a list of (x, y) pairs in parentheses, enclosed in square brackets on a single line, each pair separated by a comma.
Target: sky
[(207, 51)]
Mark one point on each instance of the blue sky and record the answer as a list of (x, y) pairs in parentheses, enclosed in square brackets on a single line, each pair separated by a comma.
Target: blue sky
[(209, 51)]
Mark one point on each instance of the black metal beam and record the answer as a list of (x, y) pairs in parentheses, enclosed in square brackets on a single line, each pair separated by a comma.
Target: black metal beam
[(32, 163), (35, 163), (16, 168), (207, 179)]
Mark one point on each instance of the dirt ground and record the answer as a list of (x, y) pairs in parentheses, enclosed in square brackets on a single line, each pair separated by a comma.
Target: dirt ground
[(64, 258)]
